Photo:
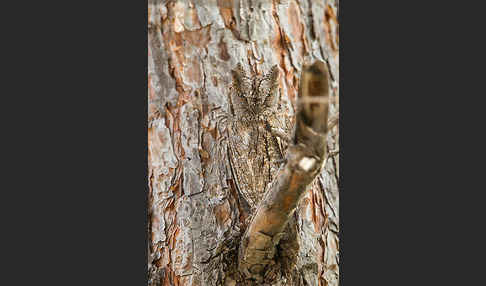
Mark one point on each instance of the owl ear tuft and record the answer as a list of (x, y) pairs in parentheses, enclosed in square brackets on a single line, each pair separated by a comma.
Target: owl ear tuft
[(273, 77), (271, 87), (242, 82), (273, 73), (239, 72)]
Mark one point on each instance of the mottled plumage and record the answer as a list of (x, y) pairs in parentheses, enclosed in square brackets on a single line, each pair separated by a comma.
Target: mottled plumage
[(255, 152)]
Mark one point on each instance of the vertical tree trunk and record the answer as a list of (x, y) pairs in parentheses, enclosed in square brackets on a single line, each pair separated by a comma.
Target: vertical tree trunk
[(196, 214)]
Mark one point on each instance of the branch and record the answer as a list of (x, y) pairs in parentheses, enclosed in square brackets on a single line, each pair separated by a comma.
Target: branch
[(304, 161)]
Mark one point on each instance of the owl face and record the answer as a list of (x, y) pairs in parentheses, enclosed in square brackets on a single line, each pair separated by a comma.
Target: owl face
[(255, 95)]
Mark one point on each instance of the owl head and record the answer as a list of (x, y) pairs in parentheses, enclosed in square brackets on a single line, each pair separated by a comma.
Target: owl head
[(255, 94)]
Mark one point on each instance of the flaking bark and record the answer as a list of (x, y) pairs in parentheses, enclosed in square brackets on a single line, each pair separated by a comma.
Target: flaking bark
[(197, 216)]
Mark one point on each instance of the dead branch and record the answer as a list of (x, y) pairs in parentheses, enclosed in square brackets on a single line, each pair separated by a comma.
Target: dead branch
[(305, 158)]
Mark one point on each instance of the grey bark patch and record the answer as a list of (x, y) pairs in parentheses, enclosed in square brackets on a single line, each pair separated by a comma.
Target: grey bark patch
[(162, 82), (182, 255), (193, 181)]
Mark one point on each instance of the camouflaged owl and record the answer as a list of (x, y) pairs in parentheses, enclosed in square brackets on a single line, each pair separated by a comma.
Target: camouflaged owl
[(255, 150)]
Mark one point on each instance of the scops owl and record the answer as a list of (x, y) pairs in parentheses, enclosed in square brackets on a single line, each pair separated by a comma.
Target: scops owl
[(255, 150)]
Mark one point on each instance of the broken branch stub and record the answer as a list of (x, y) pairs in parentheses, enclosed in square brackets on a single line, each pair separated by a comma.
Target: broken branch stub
[(304, 161)]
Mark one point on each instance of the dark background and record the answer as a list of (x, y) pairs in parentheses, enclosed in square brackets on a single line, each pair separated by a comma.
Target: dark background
[(74, 181)]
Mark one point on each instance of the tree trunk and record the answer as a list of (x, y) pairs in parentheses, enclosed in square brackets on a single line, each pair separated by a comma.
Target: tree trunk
[(197, 213)]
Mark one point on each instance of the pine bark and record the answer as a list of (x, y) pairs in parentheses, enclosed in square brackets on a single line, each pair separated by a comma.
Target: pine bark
[(196, 216)]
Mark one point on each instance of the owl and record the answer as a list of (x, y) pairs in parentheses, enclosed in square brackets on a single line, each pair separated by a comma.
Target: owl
[(255, 150)]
